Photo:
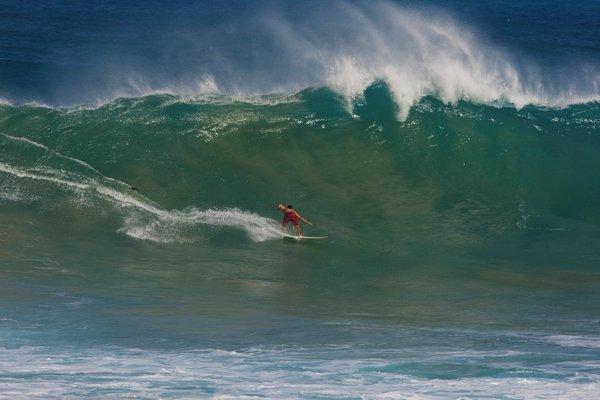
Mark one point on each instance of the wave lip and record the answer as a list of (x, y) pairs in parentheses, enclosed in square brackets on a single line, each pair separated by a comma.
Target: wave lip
[(345, 46), (418, 55)]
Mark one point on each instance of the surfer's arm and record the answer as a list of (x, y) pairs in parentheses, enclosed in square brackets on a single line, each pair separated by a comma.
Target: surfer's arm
[(305, 220)]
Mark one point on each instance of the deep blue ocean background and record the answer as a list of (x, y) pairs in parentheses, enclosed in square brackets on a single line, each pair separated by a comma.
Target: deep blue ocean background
[(449, 151), (68, 53)]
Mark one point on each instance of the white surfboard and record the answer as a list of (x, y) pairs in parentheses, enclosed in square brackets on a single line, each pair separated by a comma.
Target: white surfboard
[(296, 237)]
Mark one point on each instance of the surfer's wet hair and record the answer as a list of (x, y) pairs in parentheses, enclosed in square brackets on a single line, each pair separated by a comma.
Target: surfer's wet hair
[(290, 206)]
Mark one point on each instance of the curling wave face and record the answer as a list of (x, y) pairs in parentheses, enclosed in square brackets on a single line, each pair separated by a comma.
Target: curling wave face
[(494, 171)]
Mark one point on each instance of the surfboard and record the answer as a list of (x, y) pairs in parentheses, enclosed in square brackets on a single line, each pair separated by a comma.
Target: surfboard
[(298, 238)]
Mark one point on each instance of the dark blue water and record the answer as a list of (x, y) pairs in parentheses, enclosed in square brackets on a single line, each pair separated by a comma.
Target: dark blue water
[(68, 53)]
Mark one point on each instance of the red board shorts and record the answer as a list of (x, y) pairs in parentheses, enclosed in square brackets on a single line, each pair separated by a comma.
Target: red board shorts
[(291, 217)]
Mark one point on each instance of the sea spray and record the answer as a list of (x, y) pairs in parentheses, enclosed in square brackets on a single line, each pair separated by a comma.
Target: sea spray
[(347, 46)]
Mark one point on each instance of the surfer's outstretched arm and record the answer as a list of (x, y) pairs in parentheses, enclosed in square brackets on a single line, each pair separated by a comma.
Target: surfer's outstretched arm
[(305, 220)]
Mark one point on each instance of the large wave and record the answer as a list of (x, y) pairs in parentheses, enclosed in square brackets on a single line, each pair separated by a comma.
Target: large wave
[(468, 172)]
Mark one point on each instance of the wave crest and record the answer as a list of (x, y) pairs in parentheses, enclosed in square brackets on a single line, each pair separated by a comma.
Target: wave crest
[(417, 54), (346, 46)]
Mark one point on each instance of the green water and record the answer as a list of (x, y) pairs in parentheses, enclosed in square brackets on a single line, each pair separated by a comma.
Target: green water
[(460, 228)]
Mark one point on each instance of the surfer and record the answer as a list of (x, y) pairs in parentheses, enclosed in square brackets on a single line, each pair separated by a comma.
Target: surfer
[(290, 215)]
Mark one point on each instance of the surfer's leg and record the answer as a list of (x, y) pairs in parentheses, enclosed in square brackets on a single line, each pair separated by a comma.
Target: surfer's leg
[(298, 230)]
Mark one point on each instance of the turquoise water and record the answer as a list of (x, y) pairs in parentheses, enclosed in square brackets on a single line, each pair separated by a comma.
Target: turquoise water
[(460, 200)]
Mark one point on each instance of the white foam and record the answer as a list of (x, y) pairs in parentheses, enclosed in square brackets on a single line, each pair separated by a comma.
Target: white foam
[(175, 225), (282, 372), (21, 173), (13, 195), (145, 220), (25, 140), (419, 54), (259, 228), (592, 342), (203, 87), (41, 146)]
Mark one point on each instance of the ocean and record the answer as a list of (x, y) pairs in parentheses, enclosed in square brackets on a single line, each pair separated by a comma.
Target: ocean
[(449, 151)]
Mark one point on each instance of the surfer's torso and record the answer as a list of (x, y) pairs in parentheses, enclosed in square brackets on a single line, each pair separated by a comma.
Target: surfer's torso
[(290, 216)]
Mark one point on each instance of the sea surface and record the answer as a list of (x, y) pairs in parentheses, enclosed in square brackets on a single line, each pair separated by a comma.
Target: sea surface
[(449, 150)]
